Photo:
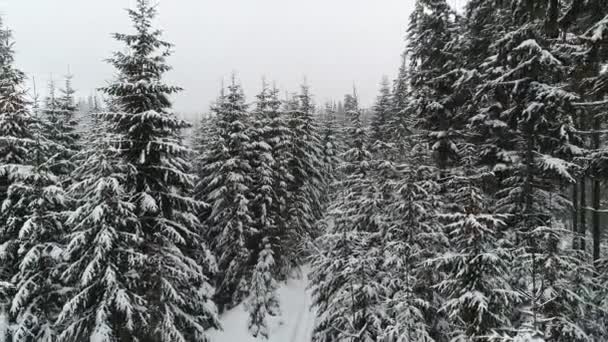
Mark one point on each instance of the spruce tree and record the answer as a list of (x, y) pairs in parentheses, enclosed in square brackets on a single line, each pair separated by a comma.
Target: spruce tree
[(347, 271), (381, 116), (332, 135), (102, 249), (305, 167), (226, 187), (15, 120), (173, 281), (430, 33), (533, 110), (70, 137), (410, 238), (264, 301), (266, 210), (479, 297), (16, 142), (278, 136), (59, 128), (34, 208)]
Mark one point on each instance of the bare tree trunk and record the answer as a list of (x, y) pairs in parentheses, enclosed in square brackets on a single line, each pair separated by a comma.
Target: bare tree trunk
[(583, 194), (595, 218), (575, 213), (583, 215), (596, 196)]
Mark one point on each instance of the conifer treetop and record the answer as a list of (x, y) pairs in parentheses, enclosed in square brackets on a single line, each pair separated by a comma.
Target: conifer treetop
[(142, 67)]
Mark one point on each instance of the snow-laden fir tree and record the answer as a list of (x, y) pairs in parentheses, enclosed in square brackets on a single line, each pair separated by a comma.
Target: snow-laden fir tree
[(262, 194), (34, 210), (226, 187), (277, 135), (524, 83), (332, 134), (16, 141), (382, 113), (347, 269), (263, 301), (266, 205), (585, 50), (70, 137), (305, 167), (59, 126), (430, 31), (410, 238), (479, 300), (400, 124), (173, 281), (102, 249), (16, 134)]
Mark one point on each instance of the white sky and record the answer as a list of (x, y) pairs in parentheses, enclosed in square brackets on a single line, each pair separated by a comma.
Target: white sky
[(334, 43)]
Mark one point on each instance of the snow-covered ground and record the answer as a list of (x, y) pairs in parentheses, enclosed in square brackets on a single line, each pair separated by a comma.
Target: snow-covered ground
[(295, 323)]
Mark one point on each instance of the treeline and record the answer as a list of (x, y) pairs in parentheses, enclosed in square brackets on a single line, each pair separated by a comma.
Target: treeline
[(464, 206)]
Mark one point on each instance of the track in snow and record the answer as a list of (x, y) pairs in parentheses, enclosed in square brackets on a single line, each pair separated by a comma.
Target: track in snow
[(294, 324)]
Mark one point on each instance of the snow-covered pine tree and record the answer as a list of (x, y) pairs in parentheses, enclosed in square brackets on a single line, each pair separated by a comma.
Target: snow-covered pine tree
[(346, 270), (16, 134), (103, 255), (266, 210), (305, 167), (60, 133), (332, 135), (431, 29), (381, 116), (262, 163), (277, 135), (34, 208), (16, 141), (586, 51), (173, 284), (226, 187), (263, 301), (70, 137), (479, 300), (400, 123), (524, 81), (412, 236)]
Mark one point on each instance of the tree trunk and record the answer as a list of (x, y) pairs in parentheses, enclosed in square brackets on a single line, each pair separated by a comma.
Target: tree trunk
[(596, 196), (595, 218), (583, 194), (575, 213), (583, 214)]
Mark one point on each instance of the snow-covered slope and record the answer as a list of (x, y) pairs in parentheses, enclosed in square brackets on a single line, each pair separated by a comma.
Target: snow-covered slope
[(295, 323)]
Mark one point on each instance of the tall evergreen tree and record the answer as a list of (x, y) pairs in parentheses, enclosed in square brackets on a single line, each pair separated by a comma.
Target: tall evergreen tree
[(410, 238), (431, 29), (16, 141), (533, 113), (34, 208), (266, 211), (479, 297), (305, 166), (381, 115), (264, 301), (100, 254), (346, 274), (332, 135), (15, 119), (226, 188), (173, 280)]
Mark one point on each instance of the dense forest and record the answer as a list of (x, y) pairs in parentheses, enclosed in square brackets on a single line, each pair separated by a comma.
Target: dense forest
[(466, 205)]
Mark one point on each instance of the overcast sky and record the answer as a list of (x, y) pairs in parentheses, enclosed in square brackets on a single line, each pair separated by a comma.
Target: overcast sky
[(333, 43)]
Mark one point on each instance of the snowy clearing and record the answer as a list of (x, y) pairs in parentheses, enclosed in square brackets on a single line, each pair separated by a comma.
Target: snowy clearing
[(295, 324)]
